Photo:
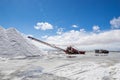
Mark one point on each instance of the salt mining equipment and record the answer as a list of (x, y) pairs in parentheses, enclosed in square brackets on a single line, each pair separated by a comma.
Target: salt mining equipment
[(68, 50)]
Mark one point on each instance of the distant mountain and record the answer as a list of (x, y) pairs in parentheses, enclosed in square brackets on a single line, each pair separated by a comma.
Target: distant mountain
[(12, 44)]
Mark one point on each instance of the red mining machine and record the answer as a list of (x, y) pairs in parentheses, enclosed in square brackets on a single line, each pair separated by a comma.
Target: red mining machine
[(69, 50)]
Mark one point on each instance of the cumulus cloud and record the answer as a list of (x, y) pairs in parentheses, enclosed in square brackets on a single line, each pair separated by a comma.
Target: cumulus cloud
[(44, 37), (96, 28), (88, 40), (115, 23), (82, 30), (74, 26), (60, 30), (43, 26)]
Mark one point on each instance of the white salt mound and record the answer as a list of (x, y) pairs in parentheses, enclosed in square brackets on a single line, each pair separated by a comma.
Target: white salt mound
[(12, 44)]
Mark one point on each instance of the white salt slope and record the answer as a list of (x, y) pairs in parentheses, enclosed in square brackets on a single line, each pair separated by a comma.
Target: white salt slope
[(88, 71), (5, 47), (12, 44)]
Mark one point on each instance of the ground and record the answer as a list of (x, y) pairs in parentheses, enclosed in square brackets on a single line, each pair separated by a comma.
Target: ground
[(59, 66)]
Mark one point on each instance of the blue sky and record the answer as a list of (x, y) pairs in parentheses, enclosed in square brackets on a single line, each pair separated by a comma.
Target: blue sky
[(25, 14)]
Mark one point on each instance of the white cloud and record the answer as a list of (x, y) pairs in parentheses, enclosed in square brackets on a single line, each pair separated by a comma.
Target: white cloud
[(60, 30), (88, 40), (82, 30), (75, 26), (96, 28), (43, 26), (115, 23), (44, 37)]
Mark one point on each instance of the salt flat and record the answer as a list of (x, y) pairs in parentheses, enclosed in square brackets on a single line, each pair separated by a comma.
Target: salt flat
[(60, 67)]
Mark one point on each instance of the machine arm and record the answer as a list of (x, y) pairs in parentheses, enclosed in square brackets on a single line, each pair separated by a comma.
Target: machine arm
[(46, 43)]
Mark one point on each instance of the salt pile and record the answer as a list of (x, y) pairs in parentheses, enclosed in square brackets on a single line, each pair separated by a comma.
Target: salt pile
[(12, 44)]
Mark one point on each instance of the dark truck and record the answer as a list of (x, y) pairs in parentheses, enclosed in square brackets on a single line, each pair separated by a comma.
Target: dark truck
[(102, 51)]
